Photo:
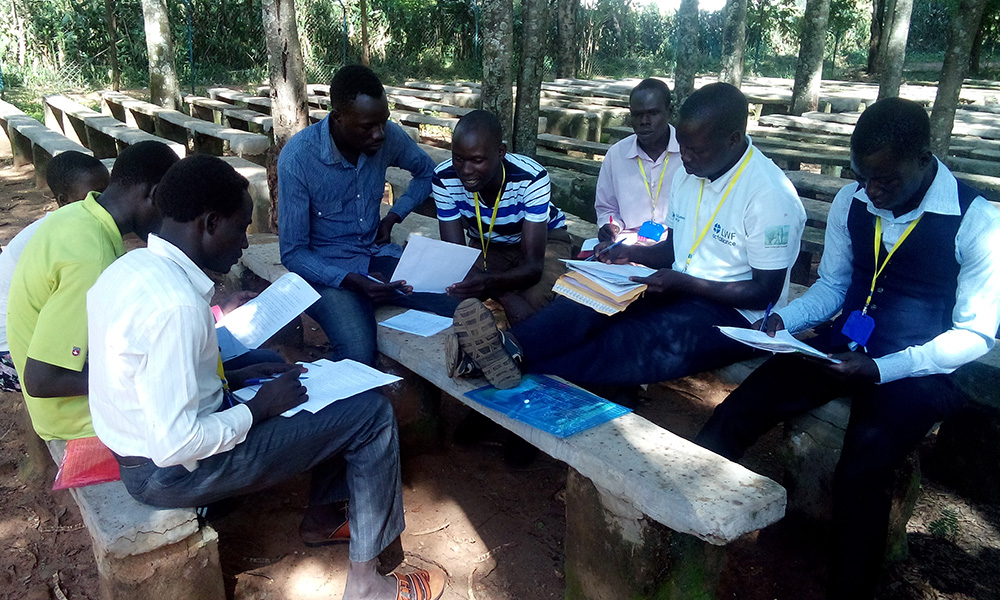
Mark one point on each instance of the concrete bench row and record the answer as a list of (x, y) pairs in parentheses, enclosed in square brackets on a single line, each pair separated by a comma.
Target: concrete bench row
[(29, 142)]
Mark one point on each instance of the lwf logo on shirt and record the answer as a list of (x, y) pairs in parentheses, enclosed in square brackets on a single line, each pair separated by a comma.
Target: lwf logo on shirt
[(724, 235), (776, 236)]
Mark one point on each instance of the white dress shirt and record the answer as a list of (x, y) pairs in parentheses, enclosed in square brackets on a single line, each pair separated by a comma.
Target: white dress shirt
[(622, 197), (977, 303), (759, 226), (8, 260), (154, 384)]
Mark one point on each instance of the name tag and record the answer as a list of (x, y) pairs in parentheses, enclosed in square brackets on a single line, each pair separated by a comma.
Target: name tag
[(651, 230), (858, 328)]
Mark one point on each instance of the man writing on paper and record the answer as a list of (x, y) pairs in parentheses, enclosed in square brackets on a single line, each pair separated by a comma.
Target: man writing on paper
[(331, 177), (47, 314), (633, 187), (910, 264), (502, 201), (183, 444), (735, 225)]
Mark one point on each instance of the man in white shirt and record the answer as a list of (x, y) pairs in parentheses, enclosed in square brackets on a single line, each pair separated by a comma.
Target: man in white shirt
[(633, 187), (735, 224), (910, 265), (182, 444)]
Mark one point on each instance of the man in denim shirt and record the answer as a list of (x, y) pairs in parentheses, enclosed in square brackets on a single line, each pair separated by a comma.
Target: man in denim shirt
[(331, 178)]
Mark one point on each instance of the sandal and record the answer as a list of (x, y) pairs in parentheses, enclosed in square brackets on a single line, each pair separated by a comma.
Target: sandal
[(419, 585)]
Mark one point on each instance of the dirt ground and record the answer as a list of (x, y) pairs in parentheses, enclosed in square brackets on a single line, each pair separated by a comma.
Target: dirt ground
[(495, 530)]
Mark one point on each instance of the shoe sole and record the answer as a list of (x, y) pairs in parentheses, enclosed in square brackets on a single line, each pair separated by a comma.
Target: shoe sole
[(479, 337), (452, 354)]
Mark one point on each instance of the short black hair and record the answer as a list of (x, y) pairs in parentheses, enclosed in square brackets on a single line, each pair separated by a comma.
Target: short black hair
[(894, 123), (653, 85), (67, 167), (352, 81), (142, 163), (198, 184), (480, 120), (723, 103)]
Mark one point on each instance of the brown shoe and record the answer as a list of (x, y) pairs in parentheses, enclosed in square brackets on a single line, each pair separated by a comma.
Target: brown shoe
[(420, 585)]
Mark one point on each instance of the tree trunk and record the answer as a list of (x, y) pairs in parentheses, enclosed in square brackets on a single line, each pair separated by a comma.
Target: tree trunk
[(365, 55), (961, 31), (529, 78), (498, 46), (164, 88), (894, 53), (109, 12), (734, 42), (976, 53), (289, 109), (812, 45), (875, 37), (569, 43), (687, 50)]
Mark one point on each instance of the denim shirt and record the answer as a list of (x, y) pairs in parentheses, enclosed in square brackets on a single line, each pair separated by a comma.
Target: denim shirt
[(328, 209)]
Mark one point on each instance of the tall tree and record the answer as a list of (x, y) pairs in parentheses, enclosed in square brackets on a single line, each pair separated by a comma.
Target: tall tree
[(289, 108), (961, 32), (812, 44), (529, 78), (498, 45), (875, 37), (164, 87), (568, 42), (734, 42), (687, 50), (109, 13), (894, 52), (365, 54)]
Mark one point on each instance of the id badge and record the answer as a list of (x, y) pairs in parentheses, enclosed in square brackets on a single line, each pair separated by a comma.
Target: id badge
[(858, 328), (651, 230)]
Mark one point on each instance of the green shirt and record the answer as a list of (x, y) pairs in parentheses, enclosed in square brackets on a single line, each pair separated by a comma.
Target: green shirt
[(47, 311)]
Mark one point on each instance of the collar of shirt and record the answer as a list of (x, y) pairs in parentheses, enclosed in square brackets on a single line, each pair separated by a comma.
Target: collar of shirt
[(719, 185), (91, 205), (330, 154), (164, 249), (634, 151), (941, 198)]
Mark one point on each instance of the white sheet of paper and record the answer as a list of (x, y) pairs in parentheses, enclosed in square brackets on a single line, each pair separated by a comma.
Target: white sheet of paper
[(229, 346), (614, 278), (262, 317), (589, 244), (432, 265), (781, 342), (418, 322), (328, 382)]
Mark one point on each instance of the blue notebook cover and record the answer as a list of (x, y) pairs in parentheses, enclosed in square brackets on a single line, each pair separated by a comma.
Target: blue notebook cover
[(554, 406)]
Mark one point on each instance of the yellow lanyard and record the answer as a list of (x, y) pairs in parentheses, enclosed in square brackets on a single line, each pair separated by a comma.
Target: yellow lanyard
[(649, 191), (878, 247), (697, 210), (484, 241)]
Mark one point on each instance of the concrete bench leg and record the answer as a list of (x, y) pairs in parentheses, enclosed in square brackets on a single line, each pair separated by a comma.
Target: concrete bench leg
[(5, 146), (189, 569), (613, 551), (204, 144), (172, 132), (20, 148), (417, 403)]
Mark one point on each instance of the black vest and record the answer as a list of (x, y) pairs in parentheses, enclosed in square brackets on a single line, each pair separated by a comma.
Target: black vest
[(915, 294)]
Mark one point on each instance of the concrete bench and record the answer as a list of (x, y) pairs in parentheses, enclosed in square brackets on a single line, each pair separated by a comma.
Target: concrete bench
[(640, 500), (29, 142), (258, 103), (573, 146), (146, 552)]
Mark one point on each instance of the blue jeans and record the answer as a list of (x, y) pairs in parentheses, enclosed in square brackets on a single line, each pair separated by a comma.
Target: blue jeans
[(359, 432), (348, 318), (652, 340)]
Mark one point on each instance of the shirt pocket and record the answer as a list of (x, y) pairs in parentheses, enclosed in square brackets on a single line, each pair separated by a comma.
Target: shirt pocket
[(329, 206)]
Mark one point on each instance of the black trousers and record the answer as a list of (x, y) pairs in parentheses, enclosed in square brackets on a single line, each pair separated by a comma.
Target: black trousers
[(887, 422)]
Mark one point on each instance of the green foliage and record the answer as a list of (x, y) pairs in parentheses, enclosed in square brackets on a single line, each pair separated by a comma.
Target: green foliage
[(946, 526)]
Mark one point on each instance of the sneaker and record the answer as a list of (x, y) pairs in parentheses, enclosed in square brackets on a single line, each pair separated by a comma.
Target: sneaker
[(458, 363), (479, 338)]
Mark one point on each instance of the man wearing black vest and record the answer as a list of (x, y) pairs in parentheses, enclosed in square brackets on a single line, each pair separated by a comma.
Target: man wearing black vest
[(909, 271)]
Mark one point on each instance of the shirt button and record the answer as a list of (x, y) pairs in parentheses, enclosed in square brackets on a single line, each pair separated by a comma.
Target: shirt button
[(879, 290), (320, 213), (872, 307)]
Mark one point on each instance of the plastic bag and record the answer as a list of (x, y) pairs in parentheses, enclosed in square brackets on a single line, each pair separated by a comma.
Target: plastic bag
[(87, 462)]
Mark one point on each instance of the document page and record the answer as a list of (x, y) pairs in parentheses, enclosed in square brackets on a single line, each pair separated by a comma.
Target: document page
[(418, 322), (781, 342), (262, 317), (432, 265), (327, 381), (614, 278)]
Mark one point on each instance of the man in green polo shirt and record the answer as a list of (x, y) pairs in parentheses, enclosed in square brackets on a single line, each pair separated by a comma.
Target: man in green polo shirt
[(47, 310)]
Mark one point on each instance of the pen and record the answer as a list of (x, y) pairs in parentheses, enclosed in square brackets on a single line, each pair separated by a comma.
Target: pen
[(605, 251), (767, 313), (376, 280), (260, 380)]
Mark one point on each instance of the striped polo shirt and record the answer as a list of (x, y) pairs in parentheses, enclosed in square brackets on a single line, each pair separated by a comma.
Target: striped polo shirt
[(526, 197)]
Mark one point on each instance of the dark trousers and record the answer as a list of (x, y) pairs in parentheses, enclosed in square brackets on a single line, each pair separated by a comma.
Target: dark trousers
[(652, 340), (887, 422), (356, 436)]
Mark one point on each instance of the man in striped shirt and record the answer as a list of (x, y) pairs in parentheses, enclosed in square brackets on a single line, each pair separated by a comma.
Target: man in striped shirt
[(502, 202)]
